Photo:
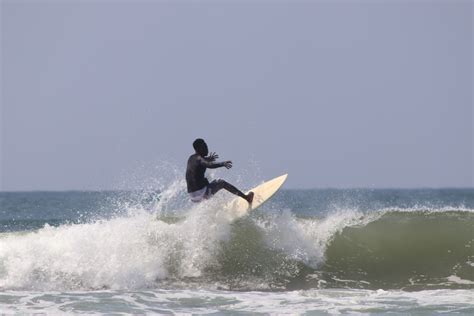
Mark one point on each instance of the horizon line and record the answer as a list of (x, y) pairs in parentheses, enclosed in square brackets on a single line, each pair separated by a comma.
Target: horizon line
[(282, 189)]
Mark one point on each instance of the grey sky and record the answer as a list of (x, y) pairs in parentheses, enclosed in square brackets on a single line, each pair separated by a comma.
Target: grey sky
[(338, 94)]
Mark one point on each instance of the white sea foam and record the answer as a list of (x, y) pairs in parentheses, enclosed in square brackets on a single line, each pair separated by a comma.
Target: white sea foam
[(133, 251), (121, 253), (335, 301), (306, 240), (458, 280)]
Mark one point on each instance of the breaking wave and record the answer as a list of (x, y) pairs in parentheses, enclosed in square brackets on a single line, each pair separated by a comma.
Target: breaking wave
[(186, 246)]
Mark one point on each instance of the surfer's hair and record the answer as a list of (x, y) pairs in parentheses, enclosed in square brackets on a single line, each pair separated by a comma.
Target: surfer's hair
[(198, 143)]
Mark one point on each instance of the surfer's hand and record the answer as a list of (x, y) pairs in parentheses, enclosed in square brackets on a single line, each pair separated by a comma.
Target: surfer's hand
[(212, 157), (228, 164)]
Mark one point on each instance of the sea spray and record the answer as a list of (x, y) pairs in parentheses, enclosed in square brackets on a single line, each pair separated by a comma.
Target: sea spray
[(105, 254), (306, 240), (126, 252)]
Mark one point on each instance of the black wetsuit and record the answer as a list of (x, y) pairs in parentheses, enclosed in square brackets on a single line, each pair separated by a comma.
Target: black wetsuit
[(195, 170)]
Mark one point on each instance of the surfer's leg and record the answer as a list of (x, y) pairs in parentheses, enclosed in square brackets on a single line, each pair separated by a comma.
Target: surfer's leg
[(217, 185), (220, 184)]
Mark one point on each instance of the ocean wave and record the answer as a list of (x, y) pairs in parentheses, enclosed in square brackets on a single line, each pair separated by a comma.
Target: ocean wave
[(202, 246)]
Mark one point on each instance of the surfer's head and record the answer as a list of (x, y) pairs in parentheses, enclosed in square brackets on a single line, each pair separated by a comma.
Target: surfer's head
[(200, 147)]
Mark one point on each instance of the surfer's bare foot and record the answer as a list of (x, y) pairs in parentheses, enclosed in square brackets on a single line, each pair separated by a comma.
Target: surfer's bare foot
[(249, 197)]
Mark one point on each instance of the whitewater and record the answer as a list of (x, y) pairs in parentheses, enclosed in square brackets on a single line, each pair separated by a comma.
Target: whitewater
[(306, 251)]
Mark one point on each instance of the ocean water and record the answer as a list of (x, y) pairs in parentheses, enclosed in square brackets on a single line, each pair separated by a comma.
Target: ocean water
[(304, 252)]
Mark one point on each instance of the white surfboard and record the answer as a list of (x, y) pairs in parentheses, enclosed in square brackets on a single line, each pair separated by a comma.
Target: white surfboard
[(239, 207)]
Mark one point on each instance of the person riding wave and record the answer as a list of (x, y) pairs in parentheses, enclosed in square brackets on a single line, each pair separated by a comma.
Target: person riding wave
[(199, 188)]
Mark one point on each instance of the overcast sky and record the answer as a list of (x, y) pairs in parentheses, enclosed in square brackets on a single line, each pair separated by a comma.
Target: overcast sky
[(336, 93)]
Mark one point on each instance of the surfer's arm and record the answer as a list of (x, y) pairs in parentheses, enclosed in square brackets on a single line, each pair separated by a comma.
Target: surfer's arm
[(213, 165)]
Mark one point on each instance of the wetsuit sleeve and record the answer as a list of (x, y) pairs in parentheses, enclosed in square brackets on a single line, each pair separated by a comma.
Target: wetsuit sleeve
[(211, 165)]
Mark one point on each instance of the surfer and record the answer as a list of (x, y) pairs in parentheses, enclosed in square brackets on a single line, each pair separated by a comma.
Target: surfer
[(199, 188)]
